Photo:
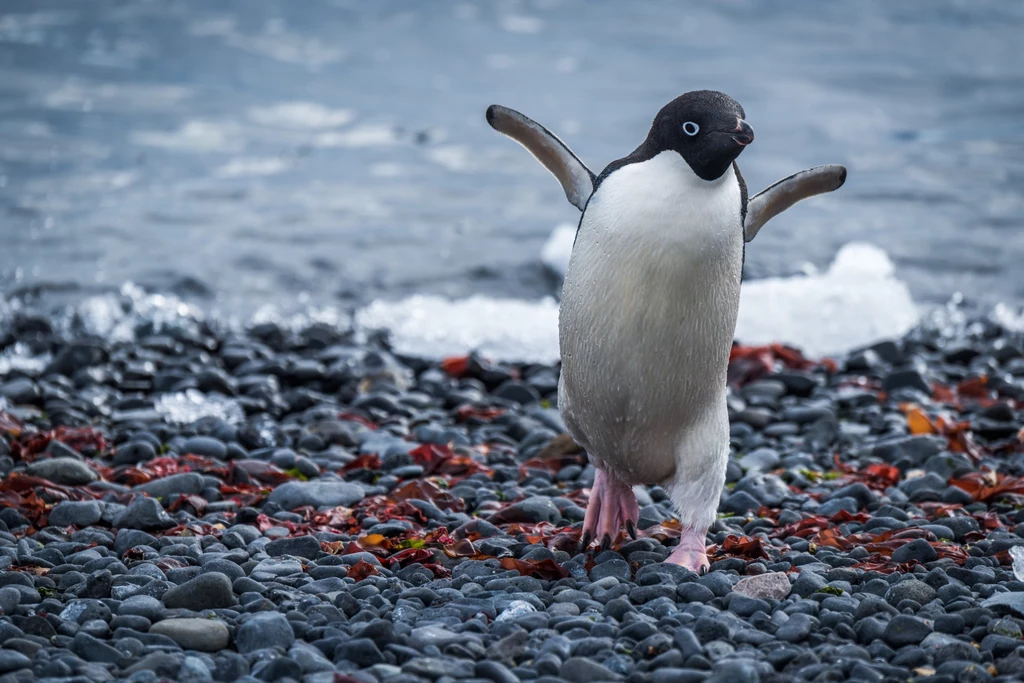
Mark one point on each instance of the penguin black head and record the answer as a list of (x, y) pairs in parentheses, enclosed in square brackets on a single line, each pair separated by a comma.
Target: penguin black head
[(705, 127)]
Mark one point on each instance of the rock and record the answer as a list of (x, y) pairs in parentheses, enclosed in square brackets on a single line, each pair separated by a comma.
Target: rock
[(739, 502), (760, 460), (836, 505), (773, 586), (143, 513), (299, 546), (10, 598), (617, 568), (807, 583), (531, 510), (735, 671), (766, 488), (1012, 601), (906, 379), (206, 446), (263, 630), (21, 390), (318, 494), (134, 452), (207, 635), (70, 471), (206, 591), (910, 589), (918, 550), (585, 670), (167, 488), (494, 671), (904, 629), (518, 392), (13, 661), (797, 628), (75, 513), (92, 649)]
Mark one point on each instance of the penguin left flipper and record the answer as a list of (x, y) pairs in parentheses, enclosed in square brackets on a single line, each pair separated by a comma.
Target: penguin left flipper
[(775, 199), (576, 179)]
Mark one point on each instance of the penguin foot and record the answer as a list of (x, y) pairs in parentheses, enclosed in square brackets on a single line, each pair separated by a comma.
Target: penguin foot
[(612, 505), (691, 551)]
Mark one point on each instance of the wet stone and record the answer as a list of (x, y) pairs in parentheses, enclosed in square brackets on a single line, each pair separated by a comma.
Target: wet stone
[(206, 591)]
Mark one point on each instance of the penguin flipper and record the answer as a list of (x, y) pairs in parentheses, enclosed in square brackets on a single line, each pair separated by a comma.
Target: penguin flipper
[(776, 198), (576, 179)]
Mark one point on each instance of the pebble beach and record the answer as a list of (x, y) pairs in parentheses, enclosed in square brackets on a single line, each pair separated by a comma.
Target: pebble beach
[(300, 503)]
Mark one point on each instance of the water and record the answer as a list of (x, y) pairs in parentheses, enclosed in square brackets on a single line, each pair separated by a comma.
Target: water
[(331, 153)]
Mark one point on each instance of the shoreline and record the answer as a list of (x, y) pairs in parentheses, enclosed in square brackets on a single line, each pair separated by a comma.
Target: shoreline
[(867, 523)]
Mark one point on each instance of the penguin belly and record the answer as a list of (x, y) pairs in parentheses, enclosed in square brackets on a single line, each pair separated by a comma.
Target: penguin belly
[(647, 319)]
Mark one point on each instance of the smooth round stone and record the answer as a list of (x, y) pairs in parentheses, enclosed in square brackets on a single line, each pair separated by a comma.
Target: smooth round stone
[(206, 446), (142, 606), (263, 630), (206, 635), (206, 591), (69, 471), (76, 513)]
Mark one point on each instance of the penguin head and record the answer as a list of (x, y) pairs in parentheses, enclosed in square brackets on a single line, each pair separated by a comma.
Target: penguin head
[(706, 128)]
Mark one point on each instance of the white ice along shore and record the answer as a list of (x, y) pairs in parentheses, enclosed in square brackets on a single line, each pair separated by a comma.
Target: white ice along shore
[(858, 300)]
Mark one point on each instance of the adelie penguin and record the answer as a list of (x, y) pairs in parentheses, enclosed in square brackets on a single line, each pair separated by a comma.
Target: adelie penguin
[(649, 305)]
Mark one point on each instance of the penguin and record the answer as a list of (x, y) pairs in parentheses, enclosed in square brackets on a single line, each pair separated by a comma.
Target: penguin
[(649, 305)]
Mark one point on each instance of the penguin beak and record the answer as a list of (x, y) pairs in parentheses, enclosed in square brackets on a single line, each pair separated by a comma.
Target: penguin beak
[(743, 135)]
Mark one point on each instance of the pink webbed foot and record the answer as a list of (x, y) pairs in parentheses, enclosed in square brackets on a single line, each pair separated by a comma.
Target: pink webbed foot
[(612, 505), (691, 551)]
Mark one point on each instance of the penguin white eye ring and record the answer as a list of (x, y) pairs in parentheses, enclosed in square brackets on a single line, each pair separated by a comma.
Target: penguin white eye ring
[(645, 336)]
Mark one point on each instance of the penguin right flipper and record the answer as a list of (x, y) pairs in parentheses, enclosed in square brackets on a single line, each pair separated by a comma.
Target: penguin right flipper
[(775, 199), (576, 179)]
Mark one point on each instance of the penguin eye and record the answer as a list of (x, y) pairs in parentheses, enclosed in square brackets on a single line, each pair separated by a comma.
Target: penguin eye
[(691, 128)]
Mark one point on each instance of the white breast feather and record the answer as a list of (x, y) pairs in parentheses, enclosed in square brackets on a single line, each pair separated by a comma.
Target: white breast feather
[(647, 319)]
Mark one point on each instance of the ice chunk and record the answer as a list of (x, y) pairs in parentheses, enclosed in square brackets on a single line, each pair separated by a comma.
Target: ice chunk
[(188, 406), (1017, 553), (858, 300), (434, 327)]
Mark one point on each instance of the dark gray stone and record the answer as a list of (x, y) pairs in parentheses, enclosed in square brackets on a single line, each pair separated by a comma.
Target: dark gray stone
[(918, 550), (317, 494), (299, 546), (263, 630), (904, 629), (70, 471), (206, 591), (76, 513), (143, 513)]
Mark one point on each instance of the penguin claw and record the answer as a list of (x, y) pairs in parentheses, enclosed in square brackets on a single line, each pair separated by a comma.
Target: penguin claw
[(606, 542), (585, 540), (631, 529)]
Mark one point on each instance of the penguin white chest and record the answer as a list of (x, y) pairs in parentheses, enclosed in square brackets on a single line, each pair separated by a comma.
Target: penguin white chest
[(648, 315)]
